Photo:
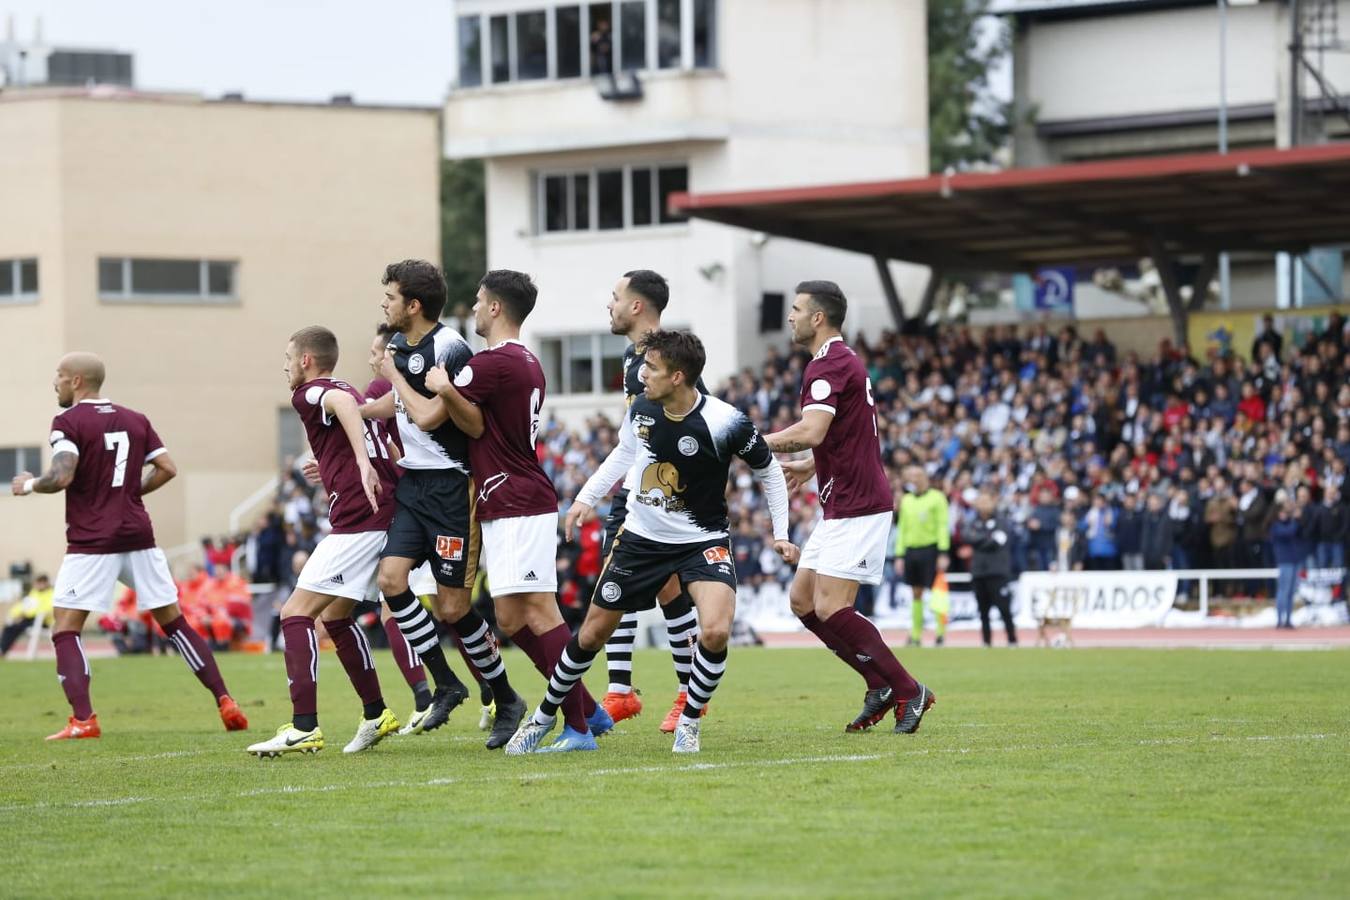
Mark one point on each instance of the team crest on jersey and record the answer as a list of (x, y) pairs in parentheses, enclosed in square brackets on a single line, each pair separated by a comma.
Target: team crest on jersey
[(661, 486), (715, 555), (610, 591), (416, 364), (451, 548), (688, 445)]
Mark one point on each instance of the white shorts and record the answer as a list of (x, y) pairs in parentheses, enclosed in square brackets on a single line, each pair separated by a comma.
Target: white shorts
[(854, 549), (86, 580), (520, 555), (343, 565)]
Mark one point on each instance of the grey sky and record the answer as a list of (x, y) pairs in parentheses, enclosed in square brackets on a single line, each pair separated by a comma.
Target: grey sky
[(383, 51)]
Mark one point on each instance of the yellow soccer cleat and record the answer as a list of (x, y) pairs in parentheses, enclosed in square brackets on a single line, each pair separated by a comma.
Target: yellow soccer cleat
[(288, 739), (371, 731)]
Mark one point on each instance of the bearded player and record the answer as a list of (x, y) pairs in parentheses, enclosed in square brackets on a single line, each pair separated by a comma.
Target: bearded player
[(99, 451), (848, 546)]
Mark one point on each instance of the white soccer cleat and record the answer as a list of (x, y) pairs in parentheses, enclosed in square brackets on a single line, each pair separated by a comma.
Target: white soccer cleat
[(371, 731), (527, 737), (416, 721), (488, 717), (686, 738), (288, 739)]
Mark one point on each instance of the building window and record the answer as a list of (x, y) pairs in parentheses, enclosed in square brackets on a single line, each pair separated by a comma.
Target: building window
[(568, 24), (668, 34), (470, 51), (583, 363), (705, 34), (531, 45), (166, 280), (14, 460), (580, 40), (18, 280), (609, 199)]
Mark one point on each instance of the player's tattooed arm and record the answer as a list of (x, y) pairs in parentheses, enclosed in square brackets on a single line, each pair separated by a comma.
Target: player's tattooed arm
[(466, 415), (162, 471), (57, 479), (804, 435)]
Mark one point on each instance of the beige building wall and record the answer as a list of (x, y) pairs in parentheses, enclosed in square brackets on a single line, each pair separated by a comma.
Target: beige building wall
[(310, 201)]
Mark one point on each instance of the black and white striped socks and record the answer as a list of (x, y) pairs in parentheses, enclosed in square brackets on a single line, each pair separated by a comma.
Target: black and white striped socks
[(480, 646), (574, 663), (703, 680), (682, 632), (619, 654), (419, 629)]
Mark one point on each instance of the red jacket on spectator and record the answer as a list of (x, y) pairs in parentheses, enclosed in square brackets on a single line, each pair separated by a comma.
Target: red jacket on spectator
[(1253, 407)]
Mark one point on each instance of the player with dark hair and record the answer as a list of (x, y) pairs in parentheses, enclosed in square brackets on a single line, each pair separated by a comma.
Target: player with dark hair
[(676, 446), (433, 520), (848, 546), (496, 400), (353, 460), (635, 308), (99, 450)]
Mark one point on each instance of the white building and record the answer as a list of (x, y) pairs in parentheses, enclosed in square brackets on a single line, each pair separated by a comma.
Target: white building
[(1097, 79), (581, 156)]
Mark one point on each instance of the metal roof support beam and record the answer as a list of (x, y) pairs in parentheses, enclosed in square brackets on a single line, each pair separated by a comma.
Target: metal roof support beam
[(930, 292), (1176, 305), (892, 293), (1200, 287)]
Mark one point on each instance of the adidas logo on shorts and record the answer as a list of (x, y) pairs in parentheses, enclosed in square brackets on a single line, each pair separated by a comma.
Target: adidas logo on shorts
[(336, 579), (530, 576)]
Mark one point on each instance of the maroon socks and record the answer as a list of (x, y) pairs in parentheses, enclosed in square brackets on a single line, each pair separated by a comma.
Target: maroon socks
[(865, 644), (353, 651), (72, 669), (197, 654), (302, 669), (544, 651), (841, 650)]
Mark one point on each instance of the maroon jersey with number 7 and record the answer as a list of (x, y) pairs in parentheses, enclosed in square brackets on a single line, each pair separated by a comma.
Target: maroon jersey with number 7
[(104, 510)]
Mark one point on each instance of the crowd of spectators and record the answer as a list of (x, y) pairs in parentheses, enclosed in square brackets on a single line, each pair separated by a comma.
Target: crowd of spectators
[(1101, 459)]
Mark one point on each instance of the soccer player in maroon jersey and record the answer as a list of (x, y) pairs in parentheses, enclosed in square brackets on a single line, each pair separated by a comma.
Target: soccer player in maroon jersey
[(354, 464), (99, 450), (495, 399), (848, 545)]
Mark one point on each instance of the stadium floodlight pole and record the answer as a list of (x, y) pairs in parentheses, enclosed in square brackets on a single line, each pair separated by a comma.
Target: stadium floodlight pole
[(1225, 297)]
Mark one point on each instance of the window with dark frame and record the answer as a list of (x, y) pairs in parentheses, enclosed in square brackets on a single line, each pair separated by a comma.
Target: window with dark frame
[(531, 45), (633, 35), (609, 199), (470, 51), (171, 280), (18, 280), (568, 26), (499, 35), (668, 34)]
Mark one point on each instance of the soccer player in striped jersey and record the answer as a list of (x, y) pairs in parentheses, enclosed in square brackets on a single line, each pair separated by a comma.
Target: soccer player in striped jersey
[(848, 546), (356, 471), (100, 450), (676, 446)]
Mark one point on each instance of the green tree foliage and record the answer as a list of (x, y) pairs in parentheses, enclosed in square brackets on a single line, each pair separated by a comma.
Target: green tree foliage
[(463, 230), (966, 123)]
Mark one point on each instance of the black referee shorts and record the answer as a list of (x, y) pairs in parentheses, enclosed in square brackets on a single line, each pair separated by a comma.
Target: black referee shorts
[(434, 521), (921, 567)]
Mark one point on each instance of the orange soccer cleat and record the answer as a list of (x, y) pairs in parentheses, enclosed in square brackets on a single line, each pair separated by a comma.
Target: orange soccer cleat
[(622, 706), (673, 717), (232, 715), (78, 728)]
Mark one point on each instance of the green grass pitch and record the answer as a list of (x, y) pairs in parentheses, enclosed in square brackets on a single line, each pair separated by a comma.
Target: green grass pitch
[(1039, 773)]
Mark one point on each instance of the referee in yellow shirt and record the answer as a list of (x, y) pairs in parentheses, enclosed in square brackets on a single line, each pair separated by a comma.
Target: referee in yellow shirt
[(921, 544)]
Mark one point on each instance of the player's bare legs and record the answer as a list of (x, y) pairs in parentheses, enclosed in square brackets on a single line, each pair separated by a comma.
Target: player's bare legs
[(72, 667)]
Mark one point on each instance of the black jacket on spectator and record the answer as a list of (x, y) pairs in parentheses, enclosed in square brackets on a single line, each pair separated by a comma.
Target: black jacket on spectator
[(990, 539), (1130, 531), (1254, 522), (1329, 524), (1156, 539)]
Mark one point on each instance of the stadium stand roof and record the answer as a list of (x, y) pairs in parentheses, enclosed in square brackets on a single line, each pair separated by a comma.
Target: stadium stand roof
[(1165, 207)]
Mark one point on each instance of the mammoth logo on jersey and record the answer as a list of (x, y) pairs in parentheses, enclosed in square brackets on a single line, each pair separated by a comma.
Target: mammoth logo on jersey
[(661, 486)]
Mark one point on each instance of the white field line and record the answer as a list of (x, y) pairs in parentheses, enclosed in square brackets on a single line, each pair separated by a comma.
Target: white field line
[(518, 776)]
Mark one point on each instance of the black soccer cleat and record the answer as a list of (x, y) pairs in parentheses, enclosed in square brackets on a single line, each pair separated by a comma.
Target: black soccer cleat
[(909, 714), (444, 702), (509, 716), (876, 703)]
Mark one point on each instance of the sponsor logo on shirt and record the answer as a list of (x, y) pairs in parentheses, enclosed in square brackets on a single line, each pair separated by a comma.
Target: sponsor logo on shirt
[(750, 444), (661, 487)]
